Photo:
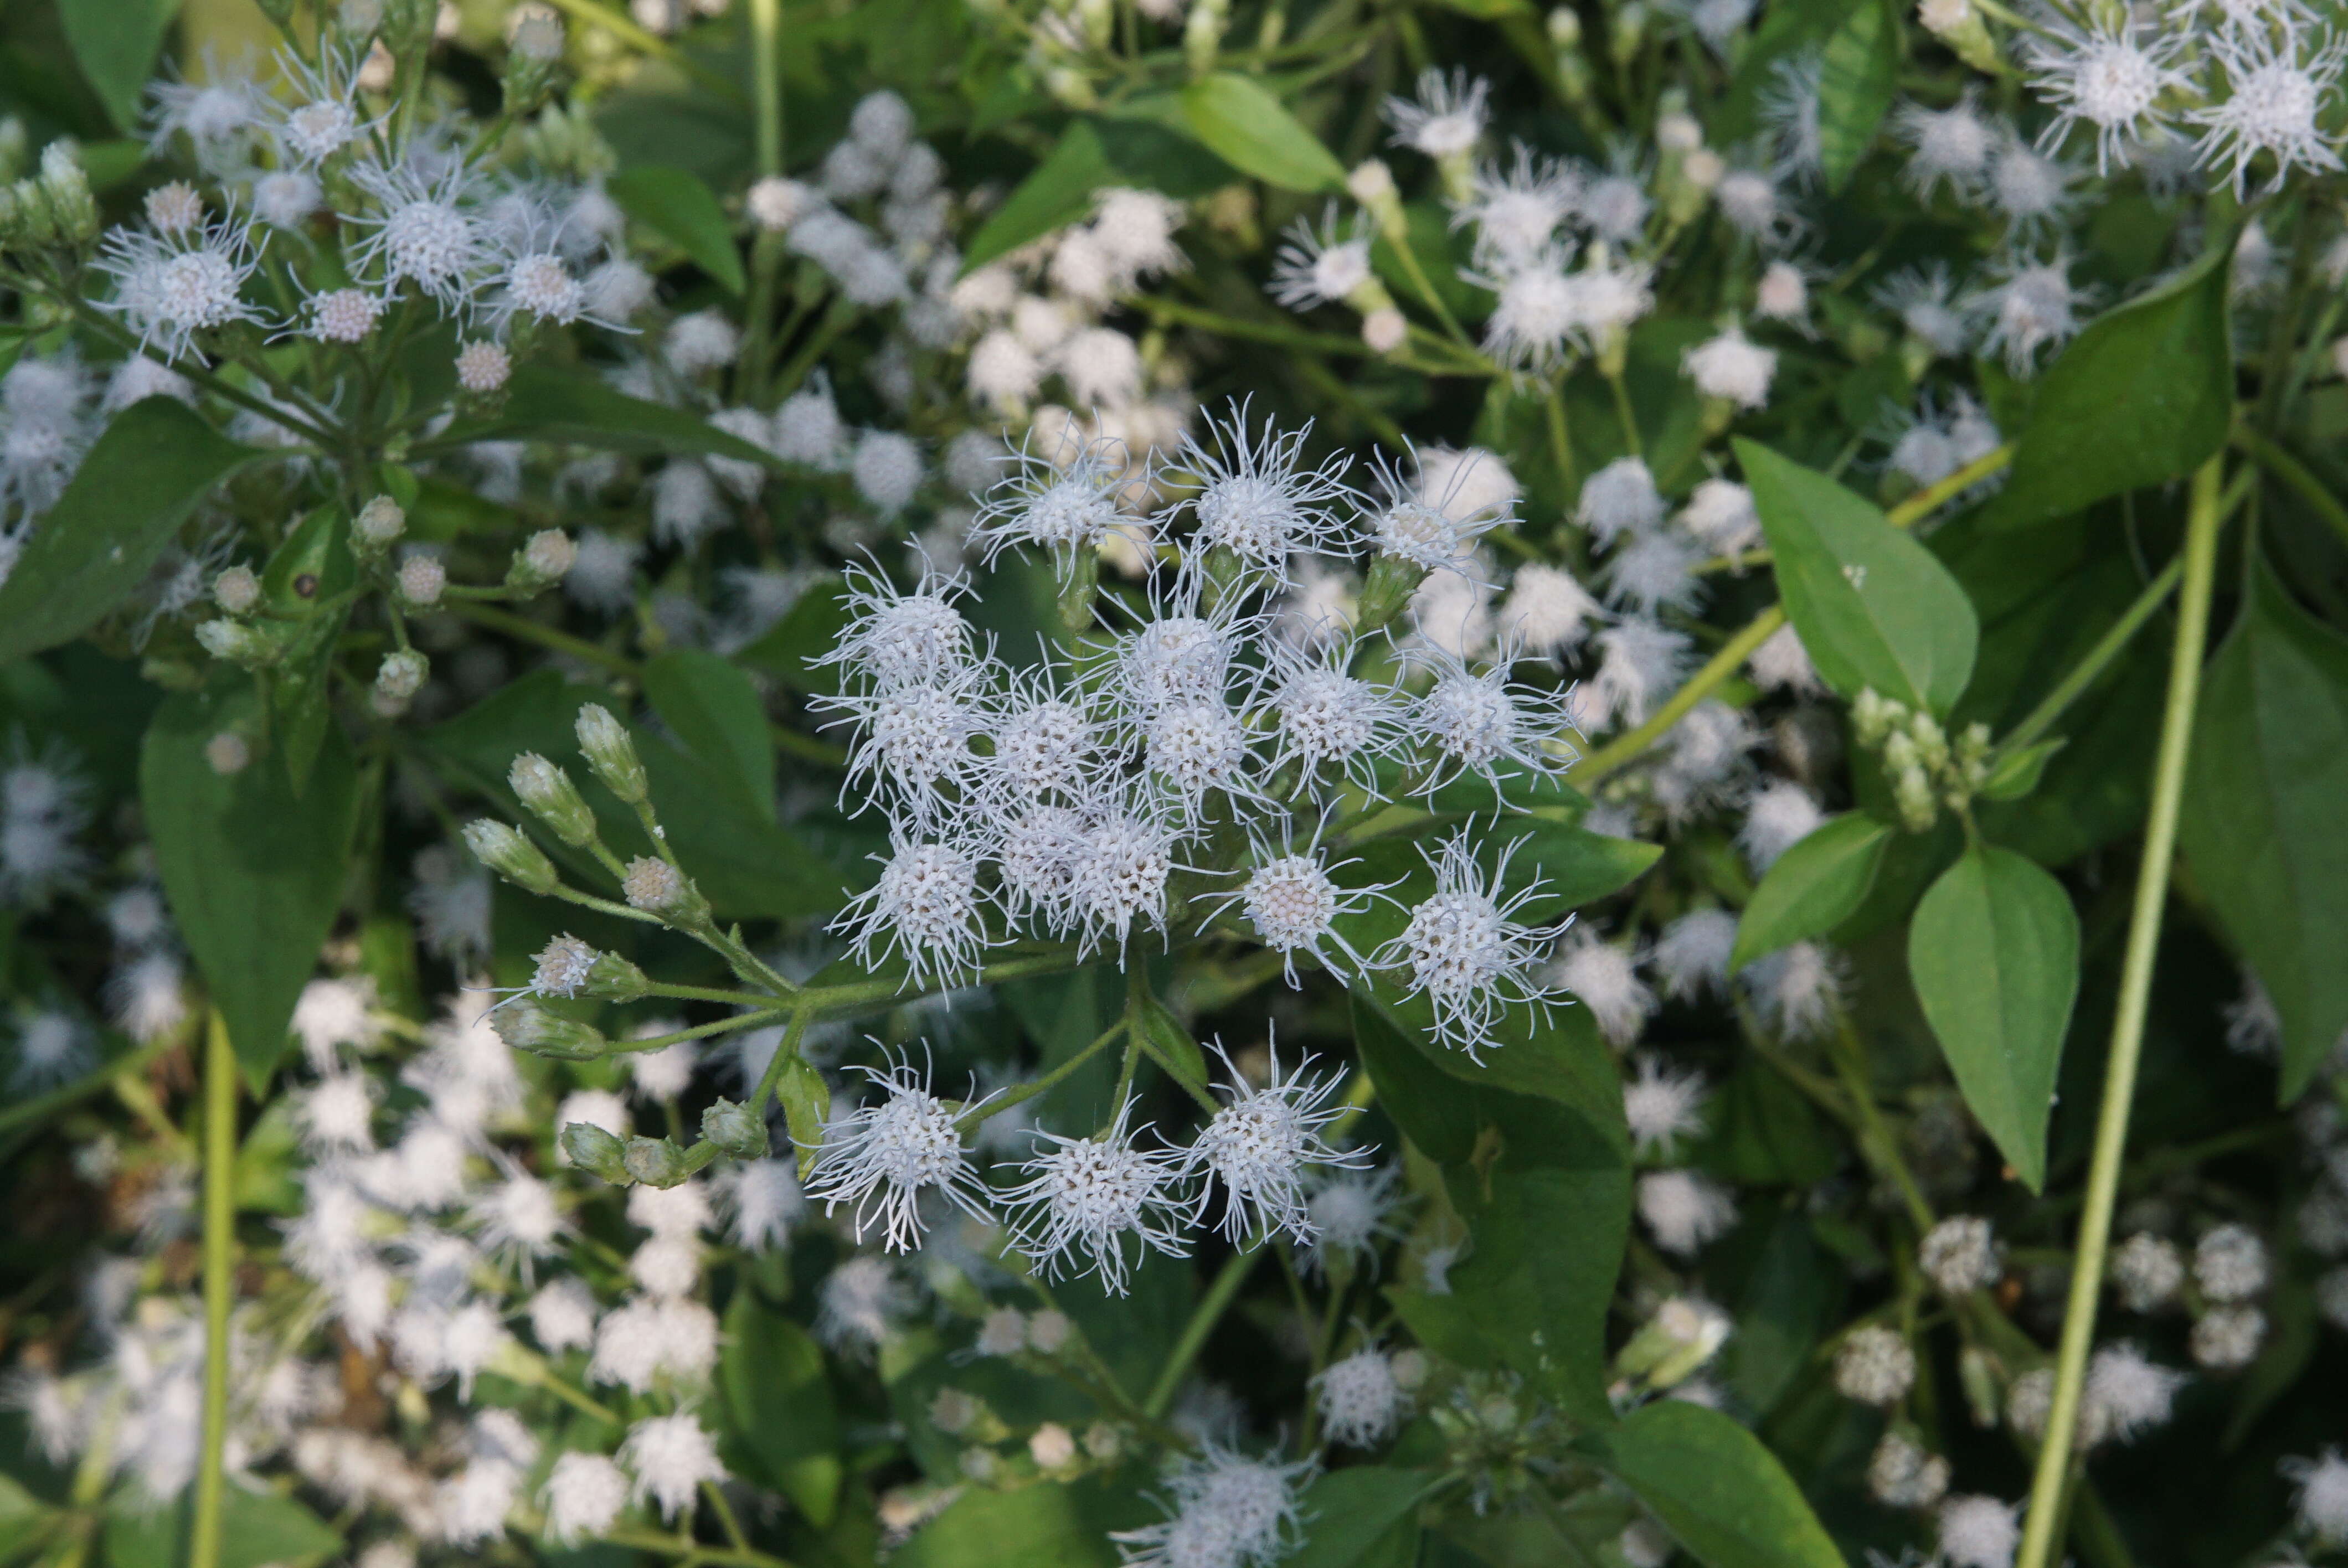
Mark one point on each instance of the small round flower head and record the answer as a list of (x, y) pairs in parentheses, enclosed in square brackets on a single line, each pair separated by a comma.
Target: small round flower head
[(1604, 978), (1470, 722), (1978, 1532), (2035, 307), (1684, 1210), (1292, 903), (2227, 1338), (1790, 108), (2277, 89), (671, 1456), (344, 315), (1464, 950), (1751, 202), (1260, 1146), (175, 208), (1474, 485), (583, 1495), (1066, 500), (1952, 145), (52, 1048), (863, 1299), (1516, 212), (427, 234), (1135, 231), (2229, 1263), (888, 469), (1195, 749), (2126, 1394), (1328, 717), (1433, 519), (1925, 298), (1620, 498), (1796, 990), (1116, 877), (1536, 314), (926, 907), (1226, 1510), (168, 288), (763, 1202), (880, 1158), (1046, 742), (2032, 190), (1780, 814), (1662, 1106), (562, 1316), (1084, 1197), (1900, 1474), (1350, 1213), (1655, 572), (703, 342), (913, 742), (1446, 119), (2109, 76), (1732, 368), (2323, 1500), (1874, 1366), (1256, 497), (1783, 294), (1323, 266), (1961, 1256), (1360, 1402), (483, 367), (901, 639), (1546, 613), (1782, 664)]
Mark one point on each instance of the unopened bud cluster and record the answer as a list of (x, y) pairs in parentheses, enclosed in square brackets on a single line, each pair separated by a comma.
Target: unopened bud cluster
[(1928, 770)]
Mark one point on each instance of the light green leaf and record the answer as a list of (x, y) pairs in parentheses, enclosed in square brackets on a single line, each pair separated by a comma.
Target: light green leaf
[(1855, 85), (307, 581), (781, 1402), (1349, 1511), (1993, 951), (114, 42), (715, 712), (256, 1528), (1813, 887), (1147, 144), (1048, 1525), (1239, 119), (2016, 773), (807, 632), (25, 1520), (544, 403), (677, 205), (2144, 395), (1712, 1484), (253, 872), (1873, 607), (2263, 829), (142, 480)]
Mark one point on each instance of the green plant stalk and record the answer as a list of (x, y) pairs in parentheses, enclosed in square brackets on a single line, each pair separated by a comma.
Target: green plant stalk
[(767, 81), (2271, 456), (1210, 1312), (2202, 519), (220, 1285)]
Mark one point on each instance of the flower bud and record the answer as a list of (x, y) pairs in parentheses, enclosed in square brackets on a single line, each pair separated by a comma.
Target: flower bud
[(64, 188), (542, 562), (806, 1100), (237, 643), (1872, 716), (612, 753), (658, 887), (655, 1161), (735, 1128), (1386, 591), (227, 753), (1373, 185), (379, 523), (508, 851), (1385, 330), (613, 979), (552, 798), (595, 1151), (398, 680), (422, 580), (525, 1026), (1564, 27), (237, 590)]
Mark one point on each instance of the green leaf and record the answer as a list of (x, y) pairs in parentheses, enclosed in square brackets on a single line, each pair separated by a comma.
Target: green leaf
[(1241, 120), (1056, 192), (807, 631), (677, 205), (1711, 1483), (1813, 887), (715, 712), (142, 480), (25, 1520), (1873, 607), (114, 42), (1855, 85), (547, 404), (2144, 395), (2262, 825), (1348, 1511), (308, 581), (253, 872), (1048, 1525), (256, 1528), (772, 1377), (2018, 772), (1993, 951)]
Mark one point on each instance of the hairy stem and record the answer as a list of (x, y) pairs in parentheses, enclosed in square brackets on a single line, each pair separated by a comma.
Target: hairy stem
[(219, 1286), (2128, 1023)]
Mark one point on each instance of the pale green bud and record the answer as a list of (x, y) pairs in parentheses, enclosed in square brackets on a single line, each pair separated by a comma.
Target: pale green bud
[(508, 851), (612, 753)]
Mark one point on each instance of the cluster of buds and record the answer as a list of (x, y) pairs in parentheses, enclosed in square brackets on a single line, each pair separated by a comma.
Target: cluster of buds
[(54, 207), (1497, 1435), (1675, 1344), (534, 52), (1926, 769)]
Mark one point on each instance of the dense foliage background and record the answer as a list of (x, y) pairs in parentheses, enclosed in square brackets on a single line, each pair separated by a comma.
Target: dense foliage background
[(1178, 781)]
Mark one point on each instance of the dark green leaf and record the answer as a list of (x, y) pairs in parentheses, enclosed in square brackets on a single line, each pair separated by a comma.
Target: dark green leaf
[(146, 474), (807, 631), (1348, 1511), (307, 581), (1056, 192), (1813, 887), (1873, 607), (1047, 1525), (256, 1528), (1993, 951), (2264, 829), (677, 205), (2144, 395), (546, 403), (1861, 63), (781, 1402), (253, 873), (1712, 1484), (1239, 119), (1788, 1302), (114, 43), (715, 712), (1761, 1129)]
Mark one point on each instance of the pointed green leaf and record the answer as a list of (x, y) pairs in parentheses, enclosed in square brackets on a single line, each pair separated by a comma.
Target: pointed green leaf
[(1873, 607), (678, 207), (1045, 1525), (1993, 951), (1348, 1512), (544, 403), (781, 1402), (1711, 1483), (253, 872), (256, 1528), (114, 42), (1855, 83), (1239, 119), (715, 712), (2144, 395), (2263, 828), (142, 480), (1813, 887)]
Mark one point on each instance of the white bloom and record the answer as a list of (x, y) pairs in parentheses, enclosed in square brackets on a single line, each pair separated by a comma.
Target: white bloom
[(682, 1210), (1349, 1212), (1798, 991), (1660, 1105), (1954, 144), (1780, 814), (763, 1202), (168, 288), (2227, 1338), (2128, 1394), (1604, 976), (1546, 613), (2273, 102), (471, 1505), (1749, 199), (2322, 1502), (862, 1299), (1620, 498), (583, 1495), (702, 341), (888, 469), (1446, 121), (1732, 368), (562, 1316), (1292, 903), (2032, 190), (1116, 877), (1684, 1210), (1261, 1144), (1463, 949), (672, 1456), (1087, 1195), (1790, 107), (926, 907), (2109, 76), (1224, 1510), (1517, 213), (52, 1048), (1359, 1399), (2146, 1271), (1979, 1532), (2229, 1263), (1473, 722), (336, 1114), (880, 1158), (1256, 497), (1925, 298), (901, 639), (1691, 955), (1066, 501), (1875, 1366), (427, 233), (518, 1217)]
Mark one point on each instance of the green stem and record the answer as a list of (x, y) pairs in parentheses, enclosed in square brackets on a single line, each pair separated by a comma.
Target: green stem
[(620, 26), (784, 1055), (219, 1286), (2066, 691), (2270, 456), (699, 1031), (767, 81), (1208, 1312), (1426, 287), (57, 1099), (712, 994), (1005, 1102), (529, 631), (1625, 748), (2202, 521), (1623, 414)]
